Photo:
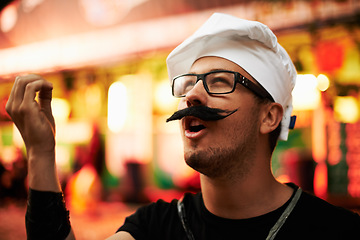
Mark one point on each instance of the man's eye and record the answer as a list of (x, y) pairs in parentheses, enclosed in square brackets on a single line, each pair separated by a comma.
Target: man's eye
[(188, 85), (219, 81)]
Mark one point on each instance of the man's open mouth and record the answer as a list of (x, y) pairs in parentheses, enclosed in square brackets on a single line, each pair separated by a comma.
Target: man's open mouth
[(196, 128), (194, 125)]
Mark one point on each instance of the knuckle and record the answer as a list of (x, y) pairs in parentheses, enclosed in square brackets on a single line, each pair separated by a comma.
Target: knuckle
[(19, 78), (8, 108), (29, 86), (25, 79)]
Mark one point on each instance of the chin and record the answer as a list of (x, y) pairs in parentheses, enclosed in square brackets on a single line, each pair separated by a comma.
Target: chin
[(219, 163), (205, 163)]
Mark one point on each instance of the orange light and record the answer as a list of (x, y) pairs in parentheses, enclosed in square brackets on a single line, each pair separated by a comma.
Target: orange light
[(164, 101), (323, 82), (346, 109), (84, 189), (284, 178), (320, 180), (319, 139)]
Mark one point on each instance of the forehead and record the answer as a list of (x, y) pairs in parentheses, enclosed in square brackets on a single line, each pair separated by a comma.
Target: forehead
[(207, 64)]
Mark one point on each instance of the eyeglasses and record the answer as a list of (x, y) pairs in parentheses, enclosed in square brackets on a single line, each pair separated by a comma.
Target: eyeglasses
[(216, 82)]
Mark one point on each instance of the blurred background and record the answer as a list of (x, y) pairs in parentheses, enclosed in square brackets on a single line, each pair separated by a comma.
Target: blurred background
[(106, 59)]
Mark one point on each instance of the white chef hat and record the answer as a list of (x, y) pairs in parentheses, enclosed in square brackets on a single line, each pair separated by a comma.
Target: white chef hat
[(249, 44)]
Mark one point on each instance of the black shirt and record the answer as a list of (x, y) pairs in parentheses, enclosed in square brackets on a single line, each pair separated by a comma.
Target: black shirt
[(312, 218)]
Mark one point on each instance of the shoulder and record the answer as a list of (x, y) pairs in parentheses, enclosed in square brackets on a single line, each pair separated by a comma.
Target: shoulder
[(320, 218), (310, 203)]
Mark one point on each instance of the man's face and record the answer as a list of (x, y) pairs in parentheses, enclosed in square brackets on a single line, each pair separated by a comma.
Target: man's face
[(220, 148)]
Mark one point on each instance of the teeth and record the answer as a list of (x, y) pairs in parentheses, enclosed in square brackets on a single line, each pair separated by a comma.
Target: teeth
[(195, 123)]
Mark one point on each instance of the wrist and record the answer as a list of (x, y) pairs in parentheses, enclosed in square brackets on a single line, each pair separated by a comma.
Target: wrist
[(42, 173), (40, 152), (41, 157)]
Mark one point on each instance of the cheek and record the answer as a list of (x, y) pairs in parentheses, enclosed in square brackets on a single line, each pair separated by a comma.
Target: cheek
[(240, 125)]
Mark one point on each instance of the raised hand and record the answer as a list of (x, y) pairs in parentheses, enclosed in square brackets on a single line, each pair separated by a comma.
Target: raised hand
[(33, 119), (37, 127)]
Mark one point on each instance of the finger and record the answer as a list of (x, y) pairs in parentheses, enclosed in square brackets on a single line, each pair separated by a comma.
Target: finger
[(45, 96), (37, 86), (9, 103), (45, 92), (20, 85), (11, 97), (29, 106)]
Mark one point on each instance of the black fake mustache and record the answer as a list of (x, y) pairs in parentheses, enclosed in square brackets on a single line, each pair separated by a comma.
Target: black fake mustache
[(202, 112)]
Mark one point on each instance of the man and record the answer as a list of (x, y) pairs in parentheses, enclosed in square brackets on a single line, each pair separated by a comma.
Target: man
[(235, 84)]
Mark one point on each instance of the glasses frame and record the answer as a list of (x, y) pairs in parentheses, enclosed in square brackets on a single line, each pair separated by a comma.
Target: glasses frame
[(239, 78)]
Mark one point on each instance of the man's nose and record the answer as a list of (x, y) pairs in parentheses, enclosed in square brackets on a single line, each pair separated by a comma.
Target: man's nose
[(197, 95)]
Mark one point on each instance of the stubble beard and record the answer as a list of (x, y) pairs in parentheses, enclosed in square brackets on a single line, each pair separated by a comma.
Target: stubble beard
[(228, 163)]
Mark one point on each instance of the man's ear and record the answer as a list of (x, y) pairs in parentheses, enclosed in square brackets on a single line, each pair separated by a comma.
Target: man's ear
[(271, 117)]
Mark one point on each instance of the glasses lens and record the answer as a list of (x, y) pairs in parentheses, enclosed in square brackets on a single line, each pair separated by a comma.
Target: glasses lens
[(220, 82), (183, 84)]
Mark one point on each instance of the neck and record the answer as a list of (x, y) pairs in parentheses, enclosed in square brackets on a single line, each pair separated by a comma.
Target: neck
[(256, 194)]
